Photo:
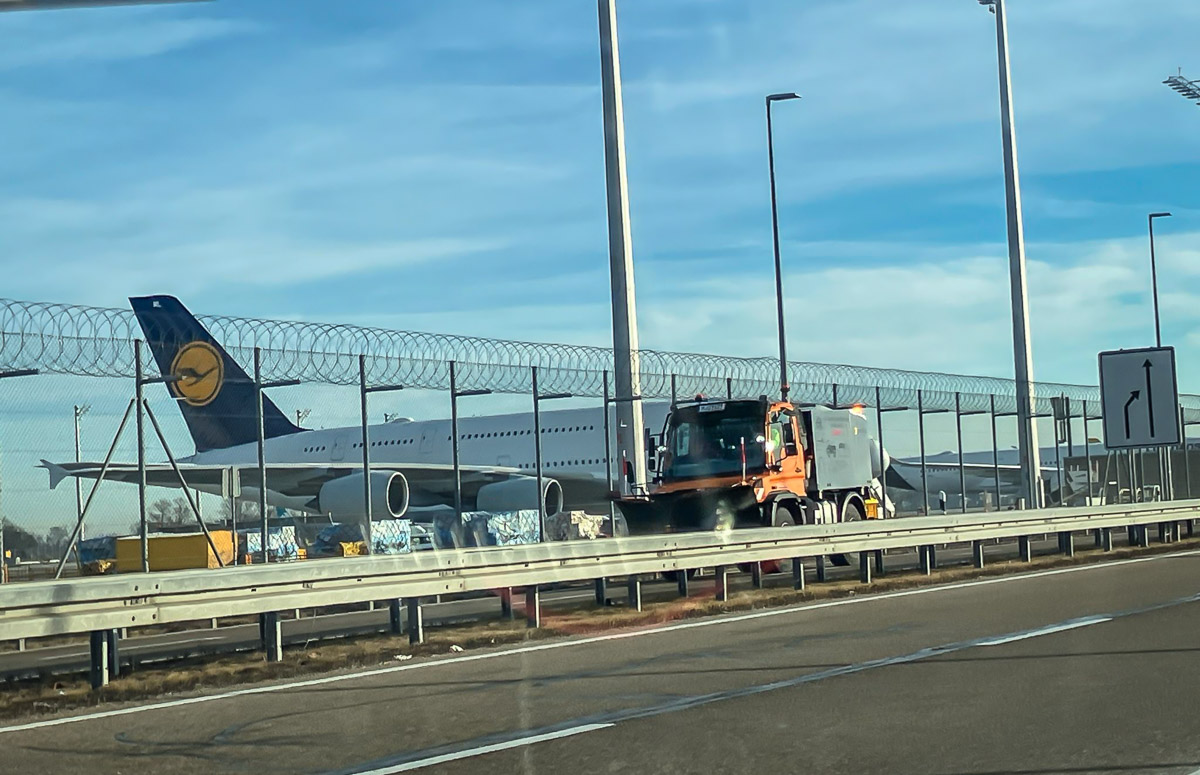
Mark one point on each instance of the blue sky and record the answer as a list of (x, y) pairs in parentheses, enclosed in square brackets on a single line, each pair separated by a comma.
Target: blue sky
[(439, 166)]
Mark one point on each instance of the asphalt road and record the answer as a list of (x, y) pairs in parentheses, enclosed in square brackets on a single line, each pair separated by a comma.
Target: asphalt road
[(1075, 670), (166, 647)]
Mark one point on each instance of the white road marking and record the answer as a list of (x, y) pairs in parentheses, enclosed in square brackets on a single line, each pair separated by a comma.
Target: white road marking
[(734, 619), (1046, 631), (420, 764)]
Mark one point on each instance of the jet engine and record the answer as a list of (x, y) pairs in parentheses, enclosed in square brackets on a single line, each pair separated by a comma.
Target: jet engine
[(520, 493), (343, 497)]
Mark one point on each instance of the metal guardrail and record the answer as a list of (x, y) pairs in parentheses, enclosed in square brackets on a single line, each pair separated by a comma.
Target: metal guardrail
[(40, 609)]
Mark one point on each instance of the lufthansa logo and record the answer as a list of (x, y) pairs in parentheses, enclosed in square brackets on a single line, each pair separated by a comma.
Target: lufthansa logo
[(199, 373)]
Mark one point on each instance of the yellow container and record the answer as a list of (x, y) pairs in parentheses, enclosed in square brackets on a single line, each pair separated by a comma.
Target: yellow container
[(872, 508), (174, 551)]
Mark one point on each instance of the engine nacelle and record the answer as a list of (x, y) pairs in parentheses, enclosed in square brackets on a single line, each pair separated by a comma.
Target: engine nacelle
[(343, 497), (880, 460), (517, 494)]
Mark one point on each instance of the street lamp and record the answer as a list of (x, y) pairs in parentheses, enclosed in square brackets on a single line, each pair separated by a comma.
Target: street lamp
[(783, 371), (1154, 278), (1027, 437), (1187, 89)]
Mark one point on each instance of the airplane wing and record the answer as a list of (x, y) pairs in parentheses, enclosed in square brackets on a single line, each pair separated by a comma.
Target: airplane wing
[(427, 482)]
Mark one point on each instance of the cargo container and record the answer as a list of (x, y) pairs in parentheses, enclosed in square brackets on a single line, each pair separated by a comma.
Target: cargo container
[(174, 551)]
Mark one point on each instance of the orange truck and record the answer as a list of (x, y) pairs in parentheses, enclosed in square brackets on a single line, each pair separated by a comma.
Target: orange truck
[(725, 464)]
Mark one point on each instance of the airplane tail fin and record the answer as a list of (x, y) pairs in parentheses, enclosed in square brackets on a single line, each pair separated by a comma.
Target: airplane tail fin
[(214, 393)]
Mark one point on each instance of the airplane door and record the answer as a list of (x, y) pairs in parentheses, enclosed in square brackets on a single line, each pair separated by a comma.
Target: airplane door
[(427, 443), (338, 451), (504, 460)]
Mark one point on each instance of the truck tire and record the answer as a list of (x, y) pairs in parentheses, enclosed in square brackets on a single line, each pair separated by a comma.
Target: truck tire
[(851, 512)]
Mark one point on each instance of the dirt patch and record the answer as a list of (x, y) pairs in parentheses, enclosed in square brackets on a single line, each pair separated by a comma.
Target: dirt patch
[(661, 605)]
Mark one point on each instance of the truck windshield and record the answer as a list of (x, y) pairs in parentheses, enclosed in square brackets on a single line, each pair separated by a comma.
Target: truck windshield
[(707, 440)]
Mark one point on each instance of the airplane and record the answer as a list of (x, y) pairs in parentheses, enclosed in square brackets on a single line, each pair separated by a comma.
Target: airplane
[(979, 476), (319, 472)]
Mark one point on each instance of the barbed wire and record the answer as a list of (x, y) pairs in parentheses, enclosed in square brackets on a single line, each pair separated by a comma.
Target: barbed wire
[(97, 341)]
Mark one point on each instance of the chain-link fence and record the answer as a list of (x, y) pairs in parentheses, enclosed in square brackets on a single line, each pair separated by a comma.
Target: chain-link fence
[(84, 358)]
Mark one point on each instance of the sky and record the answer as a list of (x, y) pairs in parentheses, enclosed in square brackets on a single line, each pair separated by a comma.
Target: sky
[(439, 167)]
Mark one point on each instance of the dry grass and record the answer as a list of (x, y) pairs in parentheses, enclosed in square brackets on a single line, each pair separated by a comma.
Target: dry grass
[(46, 696)]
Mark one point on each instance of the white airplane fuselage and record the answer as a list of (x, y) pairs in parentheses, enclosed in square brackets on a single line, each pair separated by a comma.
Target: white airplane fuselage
[(573, 449)]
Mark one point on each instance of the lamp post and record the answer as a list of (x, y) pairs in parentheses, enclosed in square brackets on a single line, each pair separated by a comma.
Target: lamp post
[(783, 370), (1027, 436), (1154, 278)]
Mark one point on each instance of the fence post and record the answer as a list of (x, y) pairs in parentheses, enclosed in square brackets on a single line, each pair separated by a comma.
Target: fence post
[(635, 592), (99, 659)]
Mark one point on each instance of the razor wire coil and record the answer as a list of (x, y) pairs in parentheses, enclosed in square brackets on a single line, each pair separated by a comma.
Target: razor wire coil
[(96, 341)]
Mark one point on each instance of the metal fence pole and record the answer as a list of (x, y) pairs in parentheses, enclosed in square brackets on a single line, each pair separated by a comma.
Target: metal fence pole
[(1058, 466), (995, 452), (1187, 463), (454, 446), (921, 433), (143, 528), (674, 397), (366, 449), (729, 388), (962, 471), (233, 507), (263, 519), (537, 453), (879, 427), (608, 478), (1087, 451)]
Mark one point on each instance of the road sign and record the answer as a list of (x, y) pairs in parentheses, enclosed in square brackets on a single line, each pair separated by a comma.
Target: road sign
[(1139, 398)]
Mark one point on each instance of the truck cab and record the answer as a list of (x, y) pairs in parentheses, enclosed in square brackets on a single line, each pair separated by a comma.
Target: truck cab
[(723, 464)]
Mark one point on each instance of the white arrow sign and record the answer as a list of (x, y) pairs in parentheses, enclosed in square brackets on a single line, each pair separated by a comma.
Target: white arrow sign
[(1140, 398)]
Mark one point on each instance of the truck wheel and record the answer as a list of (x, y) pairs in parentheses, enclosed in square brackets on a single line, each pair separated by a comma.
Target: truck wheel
[(850, 513)]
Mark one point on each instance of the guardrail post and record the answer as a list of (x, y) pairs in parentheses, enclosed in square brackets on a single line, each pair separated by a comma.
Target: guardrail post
[(1098, 535), (99, 656), (114, 652), (756, 575), (864, 567), (1163, 535), (533, 606), (798, 574), (926, 555), (1143, 533), (395, 621), (821, 568), (416, 621), (635, 592), (601, 592), (1106, 539), (681, 578), (977, 553), (506, 607), (880, 568), (721, 576), (1191, 527), (272, 636), (1025, 548), (1067, 542)]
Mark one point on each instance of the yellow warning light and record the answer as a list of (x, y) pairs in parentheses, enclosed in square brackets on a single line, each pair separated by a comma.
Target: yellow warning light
[(859, 409)]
